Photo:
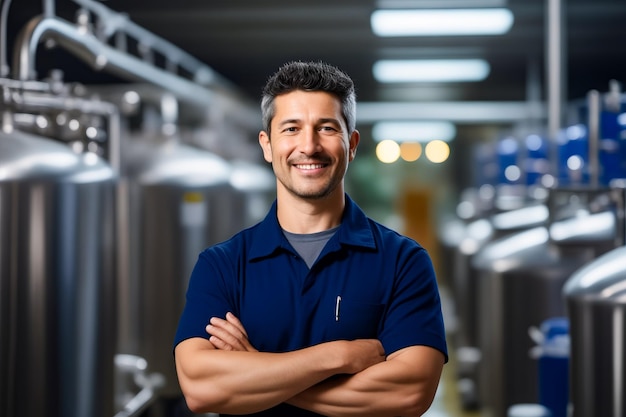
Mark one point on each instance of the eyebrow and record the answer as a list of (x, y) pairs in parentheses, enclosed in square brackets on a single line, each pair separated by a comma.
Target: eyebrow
[(320, 121), (330, 120), (288, 121)]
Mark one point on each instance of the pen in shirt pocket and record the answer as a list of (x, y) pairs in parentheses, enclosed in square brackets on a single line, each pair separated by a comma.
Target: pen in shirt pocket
[(337, 305)]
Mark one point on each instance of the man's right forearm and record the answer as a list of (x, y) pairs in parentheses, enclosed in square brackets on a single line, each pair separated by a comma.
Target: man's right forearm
[(234, 382)]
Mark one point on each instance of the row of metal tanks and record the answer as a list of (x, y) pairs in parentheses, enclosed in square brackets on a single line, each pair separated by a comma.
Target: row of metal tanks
[(100, 225), (530, 254)]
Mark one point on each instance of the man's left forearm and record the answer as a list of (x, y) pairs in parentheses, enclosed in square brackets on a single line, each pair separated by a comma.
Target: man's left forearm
[(404, 385)]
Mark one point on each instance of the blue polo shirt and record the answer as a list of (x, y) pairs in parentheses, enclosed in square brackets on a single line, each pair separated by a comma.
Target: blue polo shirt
[(368, 282)]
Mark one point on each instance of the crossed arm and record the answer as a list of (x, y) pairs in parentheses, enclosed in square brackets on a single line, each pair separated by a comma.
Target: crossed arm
[(226, 374)]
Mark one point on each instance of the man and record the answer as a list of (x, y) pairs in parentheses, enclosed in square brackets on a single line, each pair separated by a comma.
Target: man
[(317, 309)]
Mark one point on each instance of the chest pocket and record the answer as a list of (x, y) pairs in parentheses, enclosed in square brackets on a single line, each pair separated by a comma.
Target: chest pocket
[(354, 320)]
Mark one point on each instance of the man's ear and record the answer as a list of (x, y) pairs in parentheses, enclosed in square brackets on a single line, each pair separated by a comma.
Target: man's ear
[(266, 146), (355, 137)]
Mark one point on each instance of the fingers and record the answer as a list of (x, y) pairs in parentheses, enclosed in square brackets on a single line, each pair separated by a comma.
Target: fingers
[(219, 343), (230, 317), (229, 334)]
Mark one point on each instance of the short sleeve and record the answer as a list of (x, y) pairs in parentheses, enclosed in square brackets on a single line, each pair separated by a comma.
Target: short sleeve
[(414, 316)]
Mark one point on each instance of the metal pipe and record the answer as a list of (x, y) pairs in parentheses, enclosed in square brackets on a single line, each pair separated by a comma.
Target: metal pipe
[(114, 22), (103, 57), (533, 92), (149, 384), (593, 121), (4, 66), (100, 57), (49, 8), (556, 75)]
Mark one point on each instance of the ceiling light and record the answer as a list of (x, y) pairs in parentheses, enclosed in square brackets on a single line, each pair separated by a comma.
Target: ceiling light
[(410, 151), (413, 131), (441, 22), (435, 70), (387, 151), (437, 151)]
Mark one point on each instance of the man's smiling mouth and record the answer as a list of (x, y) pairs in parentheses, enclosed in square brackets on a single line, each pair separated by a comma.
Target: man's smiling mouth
[(309, 166)]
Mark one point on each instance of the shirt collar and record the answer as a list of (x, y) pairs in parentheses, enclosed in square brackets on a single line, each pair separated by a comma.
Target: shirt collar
[(355, 230)]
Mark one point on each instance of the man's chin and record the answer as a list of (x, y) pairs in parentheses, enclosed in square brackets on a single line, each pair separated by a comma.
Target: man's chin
[(312, 194)]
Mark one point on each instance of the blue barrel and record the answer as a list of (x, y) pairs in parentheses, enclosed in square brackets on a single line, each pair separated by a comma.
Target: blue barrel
[(553, 365)]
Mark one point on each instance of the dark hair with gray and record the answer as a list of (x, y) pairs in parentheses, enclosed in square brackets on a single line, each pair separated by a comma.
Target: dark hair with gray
[(310, 76)]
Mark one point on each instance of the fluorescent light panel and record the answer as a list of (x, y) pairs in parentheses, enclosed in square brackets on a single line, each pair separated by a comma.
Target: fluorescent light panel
[(441, 22), (436, 70), (413, 131)]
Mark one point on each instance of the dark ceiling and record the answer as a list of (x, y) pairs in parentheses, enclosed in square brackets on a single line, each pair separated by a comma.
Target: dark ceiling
[(246, 40)]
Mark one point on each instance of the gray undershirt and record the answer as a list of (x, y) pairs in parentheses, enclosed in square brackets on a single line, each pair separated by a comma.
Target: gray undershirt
[(309, 246)]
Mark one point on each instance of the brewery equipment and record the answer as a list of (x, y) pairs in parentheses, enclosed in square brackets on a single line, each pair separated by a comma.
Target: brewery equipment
[(66, 234), (520, 280), (514, 207), (175, 200), (57, 279), (522, 277), (596, 305)]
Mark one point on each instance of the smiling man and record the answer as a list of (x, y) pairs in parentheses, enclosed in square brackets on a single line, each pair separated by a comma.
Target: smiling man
[(318, 309)]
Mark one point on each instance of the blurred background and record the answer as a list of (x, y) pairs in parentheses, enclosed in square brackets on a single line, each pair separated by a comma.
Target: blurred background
[(492, 131)]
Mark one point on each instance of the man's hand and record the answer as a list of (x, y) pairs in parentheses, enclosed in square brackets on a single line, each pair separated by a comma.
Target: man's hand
[(229, 334), (360, 354), (226, 374)]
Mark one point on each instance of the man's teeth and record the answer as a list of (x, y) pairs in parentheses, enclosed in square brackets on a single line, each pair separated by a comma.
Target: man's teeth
[(310, 166)]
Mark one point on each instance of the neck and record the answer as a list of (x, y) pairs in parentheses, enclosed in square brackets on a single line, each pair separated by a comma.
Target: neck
[(298, 215)]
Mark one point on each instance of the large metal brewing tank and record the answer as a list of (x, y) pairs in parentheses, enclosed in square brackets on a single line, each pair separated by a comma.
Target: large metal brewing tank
[(514, 206), (596, 305), (255, 189), (480, 233), (57, 280), (176, 200), (520, 282)]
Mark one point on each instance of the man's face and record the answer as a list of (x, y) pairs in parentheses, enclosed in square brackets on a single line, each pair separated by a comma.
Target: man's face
[(309, 146)]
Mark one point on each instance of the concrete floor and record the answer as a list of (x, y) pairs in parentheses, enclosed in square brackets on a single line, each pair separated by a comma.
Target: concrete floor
[(447, 402)]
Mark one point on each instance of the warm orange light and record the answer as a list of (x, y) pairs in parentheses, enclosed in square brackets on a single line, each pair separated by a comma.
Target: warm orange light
[(410, 151)]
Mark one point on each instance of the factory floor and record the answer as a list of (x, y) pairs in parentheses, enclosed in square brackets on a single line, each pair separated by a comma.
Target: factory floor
[(447, 401)]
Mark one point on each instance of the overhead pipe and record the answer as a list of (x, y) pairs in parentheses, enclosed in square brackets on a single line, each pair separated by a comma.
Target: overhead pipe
[(4, 13), (99, 56), (593, 124), (49, 8), (533, 92), (111, 22), (556, 74), (205, 88)]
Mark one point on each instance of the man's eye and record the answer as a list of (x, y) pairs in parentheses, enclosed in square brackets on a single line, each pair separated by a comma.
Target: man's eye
[(328, 128), (291, 129)]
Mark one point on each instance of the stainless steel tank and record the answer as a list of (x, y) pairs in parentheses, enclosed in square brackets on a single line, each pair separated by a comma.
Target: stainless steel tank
[(480, 233), (57, 280), (175, 201), (255, 187), (520, 282), (596, 305), (477, 234)]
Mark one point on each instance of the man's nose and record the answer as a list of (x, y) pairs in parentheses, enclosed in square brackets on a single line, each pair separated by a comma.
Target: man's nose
[(310, 143)]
